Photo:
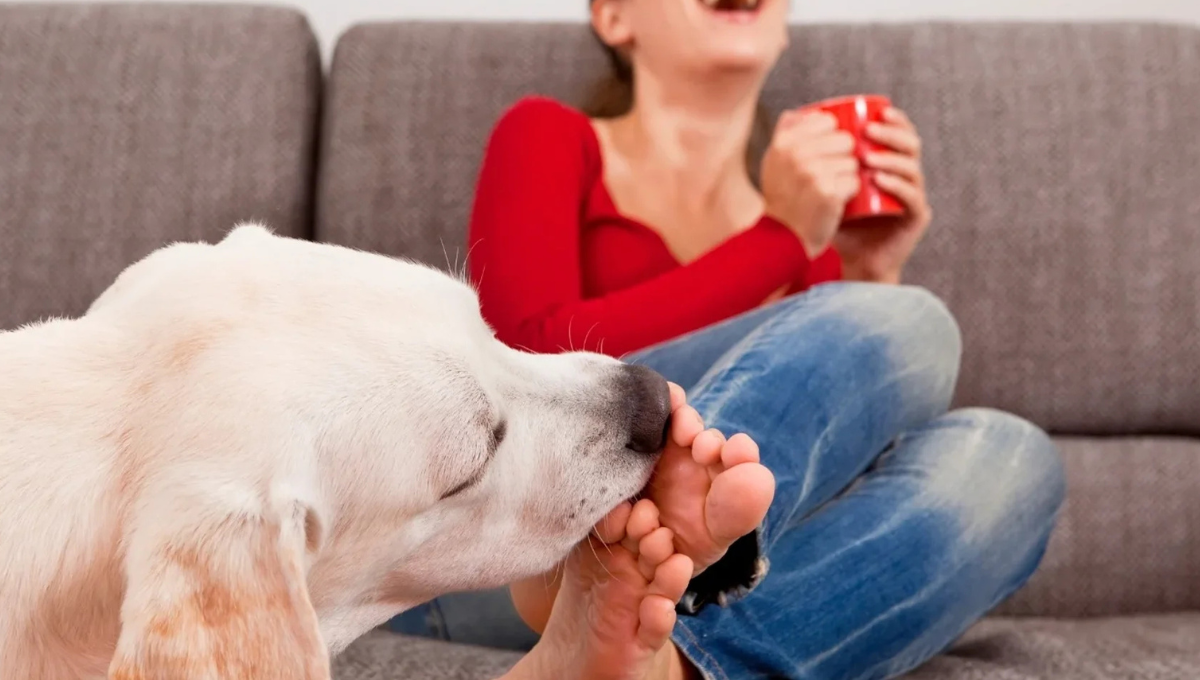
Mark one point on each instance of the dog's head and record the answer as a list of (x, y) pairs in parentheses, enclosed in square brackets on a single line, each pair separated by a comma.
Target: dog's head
[(502, 460), (434, 459)]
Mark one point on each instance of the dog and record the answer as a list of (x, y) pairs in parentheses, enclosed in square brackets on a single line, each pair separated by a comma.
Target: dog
[(248, 453)]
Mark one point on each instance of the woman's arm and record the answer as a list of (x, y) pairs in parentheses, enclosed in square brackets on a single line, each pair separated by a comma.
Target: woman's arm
[(525, 250)]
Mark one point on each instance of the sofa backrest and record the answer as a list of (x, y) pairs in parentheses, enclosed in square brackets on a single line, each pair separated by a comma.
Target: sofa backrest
[(126, 127), (1060, 162)]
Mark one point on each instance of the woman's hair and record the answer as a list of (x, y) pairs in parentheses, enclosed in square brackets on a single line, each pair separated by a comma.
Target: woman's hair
[(612, 96)]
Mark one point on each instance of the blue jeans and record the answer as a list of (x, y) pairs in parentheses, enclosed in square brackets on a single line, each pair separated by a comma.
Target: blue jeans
[(896, 524)]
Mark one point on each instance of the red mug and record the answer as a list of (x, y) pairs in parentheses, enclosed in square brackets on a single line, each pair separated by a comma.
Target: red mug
[(853, 114)]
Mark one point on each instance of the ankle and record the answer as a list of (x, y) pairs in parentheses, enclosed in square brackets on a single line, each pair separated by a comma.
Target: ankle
[(529, 667), (671, 664)]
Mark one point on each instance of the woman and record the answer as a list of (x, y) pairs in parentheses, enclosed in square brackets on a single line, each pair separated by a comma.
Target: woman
[(638, 228)]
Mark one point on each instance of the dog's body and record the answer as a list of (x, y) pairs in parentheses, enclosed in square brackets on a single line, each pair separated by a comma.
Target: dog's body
[(247, 454)]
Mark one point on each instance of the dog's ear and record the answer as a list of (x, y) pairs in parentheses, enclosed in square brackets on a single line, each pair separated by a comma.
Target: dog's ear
[(226, 601)]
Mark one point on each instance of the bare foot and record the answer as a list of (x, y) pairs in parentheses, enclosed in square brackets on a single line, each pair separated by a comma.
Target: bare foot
[(710, 492), (615, 608)]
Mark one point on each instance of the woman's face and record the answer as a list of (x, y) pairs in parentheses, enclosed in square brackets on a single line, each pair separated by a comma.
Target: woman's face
[(669, 36)]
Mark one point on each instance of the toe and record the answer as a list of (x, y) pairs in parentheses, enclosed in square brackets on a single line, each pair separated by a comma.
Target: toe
[(706, 449), (611, 529), (654, 550), (656, 619), (671, 578), (738, 450), (678, 397), (643, 520), (738, 501), (685, 425)]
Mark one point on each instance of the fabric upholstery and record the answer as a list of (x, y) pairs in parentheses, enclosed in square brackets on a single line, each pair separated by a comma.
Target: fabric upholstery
[(1134, 648), (125, 127), (408, 109), (386, 656), (1128, 538), (1060, 161)]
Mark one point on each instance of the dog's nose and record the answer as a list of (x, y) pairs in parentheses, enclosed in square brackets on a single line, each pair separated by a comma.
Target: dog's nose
[(649, 401)]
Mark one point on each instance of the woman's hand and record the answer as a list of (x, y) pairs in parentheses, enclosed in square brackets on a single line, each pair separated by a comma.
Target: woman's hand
[(809, 173), (876, 249)]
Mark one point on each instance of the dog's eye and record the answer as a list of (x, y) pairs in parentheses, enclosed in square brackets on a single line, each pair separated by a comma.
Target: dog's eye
[(495, 437), (464, 486), (498, 432)]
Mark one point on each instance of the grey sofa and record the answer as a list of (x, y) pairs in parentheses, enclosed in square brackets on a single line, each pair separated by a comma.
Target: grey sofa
[(1063, 164)]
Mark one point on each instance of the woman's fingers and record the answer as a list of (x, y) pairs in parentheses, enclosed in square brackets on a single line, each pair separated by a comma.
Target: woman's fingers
[(898, 117), (908, 193), (897, 164), (896, 137)]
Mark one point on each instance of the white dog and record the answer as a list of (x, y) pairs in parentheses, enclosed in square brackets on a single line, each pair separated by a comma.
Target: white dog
[(245, 455)]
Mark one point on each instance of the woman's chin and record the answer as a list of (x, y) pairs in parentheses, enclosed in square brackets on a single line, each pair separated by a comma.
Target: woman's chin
[(754, 52), (749, 60)]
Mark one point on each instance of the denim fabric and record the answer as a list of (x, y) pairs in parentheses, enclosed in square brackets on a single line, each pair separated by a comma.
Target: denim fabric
[(896, 524)]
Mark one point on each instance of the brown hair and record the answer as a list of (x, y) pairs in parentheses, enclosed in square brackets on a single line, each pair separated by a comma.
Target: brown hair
[(612, 96)]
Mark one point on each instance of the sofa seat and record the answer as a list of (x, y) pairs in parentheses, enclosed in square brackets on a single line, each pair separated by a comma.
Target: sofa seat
[(1161, 647)]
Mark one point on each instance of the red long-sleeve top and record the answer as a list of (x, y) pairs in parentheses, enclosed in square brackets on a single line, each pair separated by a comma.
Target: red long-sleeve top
[(558, 267)]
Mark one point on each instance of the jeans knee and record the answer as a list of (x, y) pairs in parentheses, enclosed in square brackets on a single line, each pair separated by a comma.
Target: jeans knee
[(1025, 450), (914, 318), (917, 331), (859, 348), (1006, 476)]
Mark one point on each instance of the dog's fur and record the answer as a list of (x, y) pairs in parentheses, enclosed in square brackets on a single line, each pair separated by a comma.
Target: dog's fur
[(247, 454)]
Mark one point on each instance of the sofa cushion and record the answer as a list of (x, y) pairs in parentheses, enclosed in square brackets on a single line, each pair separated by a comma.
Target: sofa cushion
[(386, 656), (408, 109), (1061, 169), (126, 127), (1146, 648), (1136, 648), (1065, 208), (1128, 539)]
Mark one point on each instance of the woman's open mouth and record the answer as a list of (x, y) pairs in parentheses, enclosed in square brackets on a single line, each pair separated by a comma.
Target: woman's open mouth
[(732, 5)]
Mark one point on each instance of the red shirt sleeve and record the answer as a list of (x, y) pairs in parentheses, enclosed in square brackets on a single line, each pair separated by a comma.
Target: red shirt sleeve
[(824, 268), (525, 250)]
